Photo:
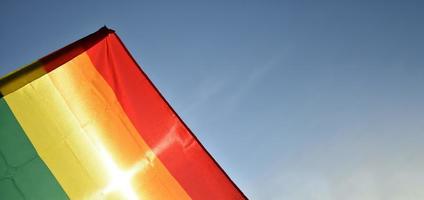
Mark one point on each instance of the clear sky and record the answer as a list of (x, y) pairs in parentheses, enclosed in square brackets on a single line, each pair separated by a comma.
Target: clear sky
[(297, 100)]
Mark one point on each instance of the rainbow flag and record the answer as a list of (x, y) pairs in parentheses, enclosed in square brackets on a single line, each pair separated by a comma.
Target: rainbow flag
[(85, 122)]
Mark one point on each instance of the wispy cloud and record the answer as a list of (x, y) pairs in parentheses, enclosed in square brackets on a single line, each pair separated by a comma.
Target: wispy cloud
[(234, 85), (206, 89), (253, 78)]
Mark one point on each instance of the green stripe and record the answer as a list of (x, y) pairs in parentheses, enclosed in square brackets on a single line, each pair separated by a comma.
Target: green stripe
[(23, 175)]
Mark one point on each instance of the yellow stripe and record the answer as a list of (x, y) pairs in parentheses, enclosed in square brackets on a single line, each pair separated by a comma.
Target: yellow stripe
[(81, 132), (21, 77)]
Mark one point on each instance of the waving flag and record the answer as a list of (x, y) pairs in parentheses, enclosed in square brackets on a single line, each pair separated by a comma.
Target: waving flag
[(85, 122)]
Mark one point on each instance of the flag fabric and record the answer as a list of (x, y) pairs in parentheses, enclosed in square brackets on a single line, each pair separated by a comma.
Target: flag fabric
[(85, 122)]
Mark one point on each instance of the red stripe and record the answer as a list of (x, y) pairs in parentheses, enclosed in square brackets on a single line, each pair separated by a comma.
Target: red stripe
[(159, 125)]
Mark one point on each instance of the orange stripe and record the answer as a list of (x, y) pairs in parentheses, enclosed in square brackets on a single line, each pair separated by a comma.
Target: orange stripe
[(97, 101)]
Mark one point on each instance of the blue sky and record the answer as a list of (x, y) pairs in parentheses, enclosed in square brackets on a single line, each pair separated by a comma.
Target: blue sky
[(295, 99)]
